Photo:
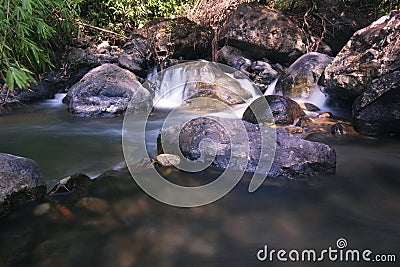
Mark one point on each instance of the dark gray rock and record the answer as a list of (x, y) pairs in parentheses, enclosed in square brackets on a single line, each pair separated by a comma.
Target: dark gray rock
[(301, 78), (177, 38), (262, 32), (380, 117), (75, 184), (44, 89), (20, 182), (233, 57), (293, 157), (264, 74), (282, 110), (370, 55), (106, 91), (137, 56)]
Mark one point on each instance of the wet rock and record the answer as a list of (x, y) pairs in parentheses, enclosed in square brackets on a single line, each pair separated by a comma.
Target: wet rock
[(264, 73), (294, 130), (380, 117), (76, 183), (137, 56), (106, 91), (309, 107), (342, 129), (262, 32), (284, 110), (78, 62), (304, 121), (44, 89), (234, 58), (364, 63), (168, 159), (178, 37), (325, 115), (302, 76), (93, 204), (294, 157), (20, 182)]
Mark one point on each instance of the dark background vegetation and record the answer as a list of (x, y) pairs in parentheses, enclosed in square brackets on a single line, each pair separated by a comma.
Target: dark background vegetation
[(31, 31)]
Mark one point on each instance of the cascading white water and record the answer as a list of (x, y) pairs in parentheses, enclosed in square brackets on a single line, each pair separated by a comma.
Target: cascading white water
[(177, 83), (316, 97), (271, 88), (56, 102)]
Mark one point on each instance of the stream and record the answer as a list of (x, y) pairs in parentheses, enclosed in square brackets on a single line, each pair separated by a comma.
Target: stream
[(360, 203)]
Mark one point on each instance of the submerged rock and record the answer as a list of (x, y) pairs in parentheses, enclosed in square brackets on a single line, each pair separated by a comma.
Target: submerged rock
[(292, 156), (281, 111), (262, 32), (106, 91), (302, 76), (93, 204), (20, 182)]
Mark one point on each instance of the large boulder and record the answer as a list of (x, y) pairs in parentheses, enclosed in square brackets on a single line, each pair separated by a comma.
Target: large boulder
[(106, 92), (370, 54), (301, 78), (280, 110), (377, 112), (293, 156), (262, 32), (178, 37), (20, 182)]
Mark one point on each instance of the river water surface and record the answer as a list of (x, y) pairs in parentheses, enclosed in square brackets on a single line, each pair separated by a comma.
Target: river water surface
[(360, 203)]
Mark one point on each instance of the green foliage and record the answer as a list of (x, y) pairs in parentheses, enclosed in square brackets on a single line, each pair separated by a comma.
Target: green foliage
[(122, 15), (27, 30)]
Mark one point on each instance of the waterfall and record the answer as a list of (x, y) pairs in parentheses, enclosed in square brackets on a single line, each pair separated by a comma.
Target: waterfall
[(179, 82), (56, 102), (271, 88)]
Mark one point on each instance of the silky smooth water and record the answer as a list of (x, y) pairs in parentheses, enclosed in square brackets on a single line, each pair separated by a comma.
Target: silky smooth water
[(360, 203)]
